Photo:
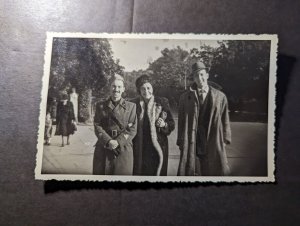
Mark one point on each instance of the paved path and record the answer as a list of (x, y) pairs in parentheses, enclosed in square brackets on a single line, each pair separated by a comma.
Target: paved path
[(75, 158), (246, 155)]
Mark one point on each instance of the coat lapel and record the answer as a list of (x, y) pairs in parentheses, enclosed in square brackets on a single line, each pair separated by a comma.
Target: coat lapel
[(193, 90), (117, 111), (150, 113), (113, 108), (110, 105), (211, 107), (141, 108), (122, 104)]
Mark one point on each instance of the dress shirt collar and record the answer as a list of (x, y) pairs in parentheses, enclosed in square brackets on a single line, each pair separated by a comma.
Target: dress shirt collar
[(203, 90)]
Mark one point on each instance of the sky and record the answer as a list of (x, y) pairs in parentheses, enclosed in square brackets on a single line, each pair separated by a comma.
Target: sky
[(135, 54)]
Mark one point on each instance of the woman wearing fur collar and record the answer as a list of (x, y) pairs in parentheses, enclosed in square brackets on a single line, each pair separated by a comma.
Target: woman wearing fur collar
[(155, 123)]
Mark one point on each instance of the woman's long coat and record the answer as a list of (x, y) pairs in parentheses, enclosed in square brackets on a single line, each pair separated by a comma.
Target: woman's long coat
[(157, 107), (118, 123), (64, 117), (214, 163)]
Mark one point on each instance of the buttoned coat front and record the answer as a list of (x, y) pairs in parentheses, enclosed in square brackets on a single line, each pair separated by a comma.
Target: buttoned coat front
[(118, 123), (218, 134)]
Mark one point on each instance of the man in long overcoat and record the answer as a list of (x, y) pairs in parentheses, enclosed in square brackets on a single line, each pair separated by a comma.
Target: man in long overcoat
[(203, 128), (115, 127)]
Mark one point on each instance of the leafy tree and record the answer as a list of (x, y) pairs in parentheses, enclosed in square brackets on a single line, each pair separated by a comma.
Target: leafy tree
[(170, 72), (85, 106), (242, 69), (83, 63), (239, 67), (171, 68)]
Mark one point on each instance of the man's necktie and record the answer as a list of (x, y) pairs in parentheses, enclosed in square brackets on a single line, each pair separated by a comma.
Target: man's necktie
[(201, 98)]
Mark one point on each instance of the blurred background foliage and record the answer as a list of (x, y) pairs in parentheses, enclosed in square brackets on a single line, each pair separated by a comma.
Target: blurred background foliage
[(240, 68)]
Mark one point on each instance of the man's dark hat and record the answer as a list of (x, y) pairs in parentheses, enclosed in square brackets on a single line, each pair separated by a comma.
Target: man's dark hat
[(199, 65)]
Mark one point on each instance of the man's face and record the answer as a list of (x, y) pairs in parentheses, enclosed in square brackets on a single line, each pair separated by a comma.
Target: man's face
[(200, 77), (146, 91), (117, 89)]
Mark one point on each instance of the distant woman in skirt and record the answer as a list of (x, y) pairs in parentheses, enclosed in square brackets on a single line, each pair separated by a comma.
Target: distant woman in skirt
[(65, 119)]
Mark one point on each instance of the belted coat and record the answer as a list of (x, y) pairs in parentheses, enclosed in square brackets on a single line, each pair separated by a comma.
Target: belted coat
[(218, 134), (119, 123)]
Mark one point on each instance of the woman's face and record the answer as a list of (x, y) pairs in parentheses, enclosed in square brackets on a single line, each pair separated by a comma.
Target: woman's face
[(146, 91)]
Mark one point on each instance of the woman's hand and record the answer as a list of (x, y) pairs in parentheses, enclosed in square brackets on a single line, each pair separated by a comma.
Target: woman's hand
[(160, 123)]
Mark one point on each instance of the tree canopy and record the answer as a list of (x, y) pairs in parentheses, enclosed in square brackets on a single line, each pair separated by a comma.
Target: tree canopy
[(83, 63), (239, 67), (171, 68)]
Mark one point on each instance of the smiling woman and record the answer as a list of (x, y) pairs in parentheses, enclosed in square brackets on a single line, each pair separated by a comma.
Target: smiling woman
[(155, 123)]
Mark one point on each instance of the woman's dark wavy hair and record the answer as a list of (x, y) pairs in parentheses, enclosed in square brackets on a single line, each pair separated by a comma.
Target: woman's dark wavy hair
[(141, 81)]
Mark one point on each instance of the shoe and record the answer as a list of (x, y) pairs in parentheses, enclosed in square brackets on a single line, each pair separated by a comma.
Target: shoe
[(62, 145)]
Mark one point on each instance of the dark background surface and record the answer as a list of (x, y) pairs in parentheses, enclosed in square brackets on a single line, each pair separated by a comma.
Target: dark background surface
[(25, 201)]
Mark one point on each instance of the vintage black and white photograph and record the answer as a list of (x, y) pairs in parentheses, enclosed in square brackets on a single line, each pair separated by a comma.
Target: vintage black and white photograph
[(158, 108)]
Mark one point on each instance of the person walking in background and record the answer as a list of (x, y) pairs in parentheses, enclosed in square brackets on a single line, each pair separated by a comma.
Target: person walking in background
[(50, 119), (203, 128), (155, 123), (115, 127), (65, 119), (53, 110), (48, 128)]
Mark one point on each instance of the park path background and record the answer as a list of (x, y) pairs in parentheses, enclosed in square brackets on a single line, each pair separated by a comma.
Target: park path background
[(247, 155)]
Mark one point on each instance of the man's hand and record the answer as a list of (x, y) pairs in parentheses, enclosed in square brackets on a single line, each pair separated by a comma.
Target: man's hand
[(160, 123), (113, 144)]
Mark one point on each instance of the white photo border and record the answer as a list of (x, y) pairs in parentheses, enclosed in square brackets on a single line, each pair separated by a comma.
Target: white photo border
[(111, 178)]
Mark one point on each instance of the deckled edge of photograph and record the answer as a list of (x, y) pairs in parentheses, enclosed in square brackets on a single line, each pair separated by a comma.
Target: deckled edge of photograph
[(114, 178)]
